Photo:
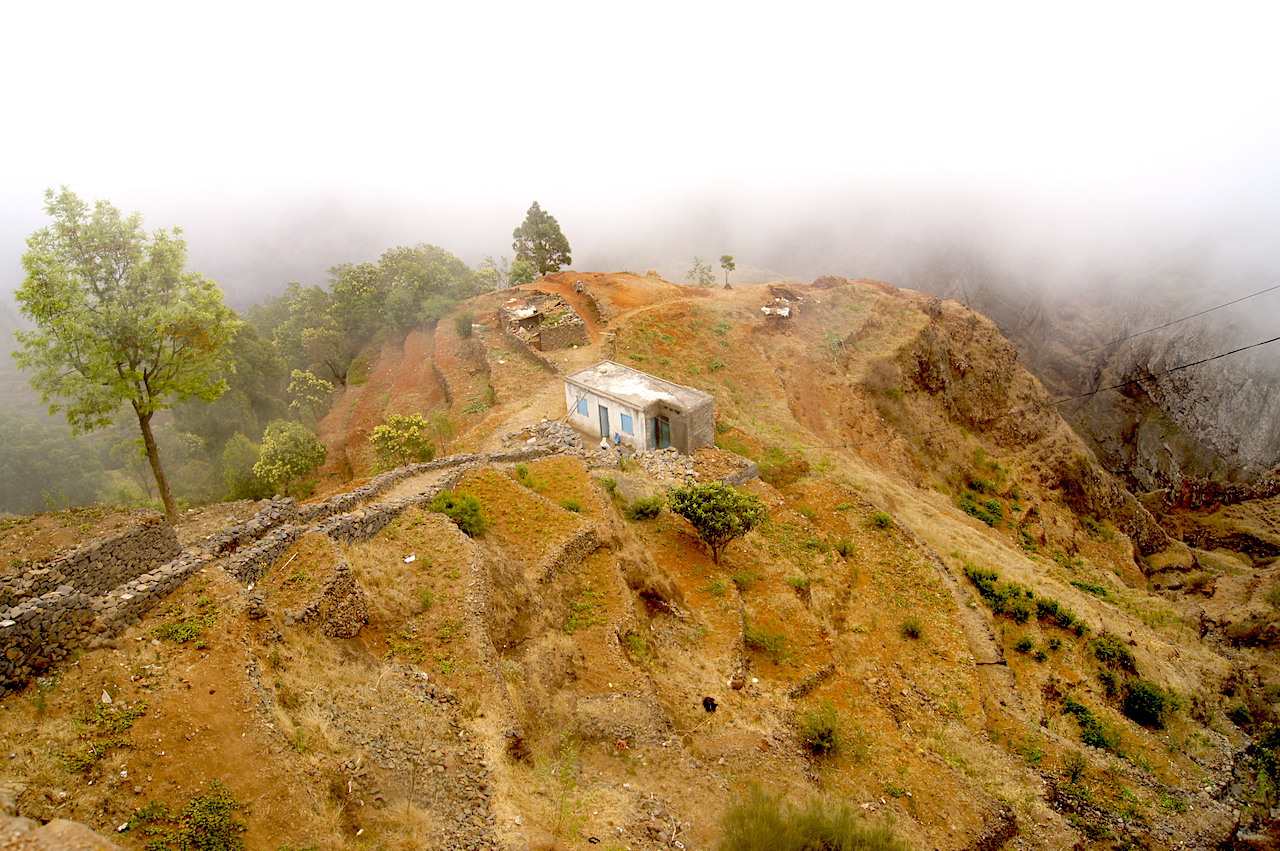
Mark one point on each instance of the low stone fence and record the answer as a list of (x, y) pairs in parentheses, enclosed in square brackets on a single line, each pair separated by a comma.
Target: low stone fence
[(98, 565)]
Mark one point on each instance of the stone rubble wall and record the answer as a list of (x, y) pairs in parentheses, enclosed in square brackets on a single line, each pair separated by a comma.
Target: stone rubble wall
[(562, 336), (528, 352), (93, 604), (41, 631), (98, 565)]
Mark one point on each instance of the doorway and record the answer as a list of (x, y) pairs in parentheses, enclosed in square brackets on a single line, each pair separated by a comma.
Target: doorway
[(661, 432)]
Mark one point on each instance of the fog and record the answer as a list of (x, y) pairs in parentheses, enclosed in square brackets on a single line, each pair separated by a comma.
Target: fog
[(1040, 150)]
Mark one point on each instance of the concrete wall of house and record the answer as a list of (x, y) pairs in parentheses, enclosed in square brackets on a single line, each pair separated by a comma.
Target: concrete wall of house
[(696, 427), (590, 422), (690, 429)]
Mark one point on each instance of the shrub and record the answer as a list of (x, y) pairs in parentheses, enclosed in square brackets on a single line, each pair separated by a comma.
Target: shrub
[(771, 643), (881, 520), (1092, 731), (572, 503), (911, 628), (759, 821), (1111, 652), (1091, 588), (820, 730), (462, 322), (645, 507), (1145, 703), (1024, 644), (966, 503), (845, 548), (463, 509)]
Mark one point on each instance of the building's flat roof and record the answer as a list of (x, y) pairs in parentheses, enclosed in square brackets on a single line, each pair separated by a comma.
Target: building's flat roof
[(636, 387)]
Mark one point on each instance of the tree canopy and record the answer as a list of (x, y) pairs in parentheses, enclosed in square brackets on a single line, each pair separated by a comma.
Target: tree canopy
[(289, 452), (539, 242), (321, 331), (719, 513), (118, 319)]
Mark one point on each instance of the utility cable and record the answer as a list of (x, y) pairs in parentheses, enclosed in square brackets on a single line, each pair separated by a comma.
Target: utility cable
[(1161, 327), (1056, 402)]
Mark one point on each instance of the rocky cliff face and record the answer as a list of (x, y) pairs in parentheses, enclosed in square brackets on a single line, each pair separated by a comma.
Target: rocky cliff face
[(1215, 420)]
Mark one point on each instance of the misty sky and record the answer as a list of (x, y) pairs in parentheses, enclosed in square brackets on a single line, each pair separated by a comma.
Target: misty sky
[(441, 122)]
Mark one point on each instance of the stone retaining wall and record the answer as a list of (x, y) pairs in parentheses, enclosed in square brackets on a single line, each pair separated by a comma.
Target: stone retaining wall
[(96, 566), (38, 630), (526, 351)]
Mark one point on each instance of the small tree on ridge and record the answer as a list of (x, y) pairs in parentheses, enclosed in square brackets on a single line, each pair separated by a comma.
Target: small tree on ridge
[(719, 513)]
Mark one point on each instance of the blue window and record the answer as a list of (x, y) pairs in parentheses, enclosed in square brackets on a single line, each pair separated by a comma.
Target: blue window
[(582, 406), (626, 424)]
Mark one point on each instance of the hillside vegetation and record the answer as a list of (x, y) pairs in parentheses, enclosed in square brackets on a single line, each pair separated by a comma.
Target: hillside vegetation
[(954, 624)]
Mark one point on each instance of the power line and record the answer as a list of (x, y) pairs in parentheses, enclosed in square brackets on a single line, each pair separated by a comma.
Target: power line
[(1161, 327), (1055, 403)]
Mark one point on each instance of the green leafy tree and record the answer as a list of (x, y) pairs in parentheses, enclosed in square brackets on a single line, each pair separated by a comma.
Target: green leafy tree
[(726, 263), (403, 439), (289, 452), (442, 428), (701, 274), (522, 272), (255, 376), (310, 393), (719, 513), (496, 274), (539, 242), (118, 320), (238, 459)]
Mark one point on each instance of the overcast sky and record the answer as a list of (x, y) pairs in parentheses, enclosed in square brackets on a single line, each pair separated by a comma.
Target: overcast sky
[(455, 116)]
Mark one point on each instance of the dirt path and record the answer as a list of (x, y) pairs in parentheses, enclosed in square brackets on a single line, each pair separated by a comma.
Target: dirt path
[(413, 486)]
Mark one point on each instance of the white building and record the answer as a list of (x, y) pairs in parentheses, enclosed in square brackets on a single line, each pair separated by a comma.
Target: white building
[(641, 410)]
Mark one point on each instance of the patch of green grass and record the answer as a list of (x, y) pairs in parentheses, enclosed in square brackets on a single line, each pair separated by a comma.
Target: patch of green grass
[(911, 628), (190, 627), (744, 579), (758, 821), (206, 823), (406, 644), (585, 610), (571, 503), (716, 587), (638, 647), (100, 728)]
